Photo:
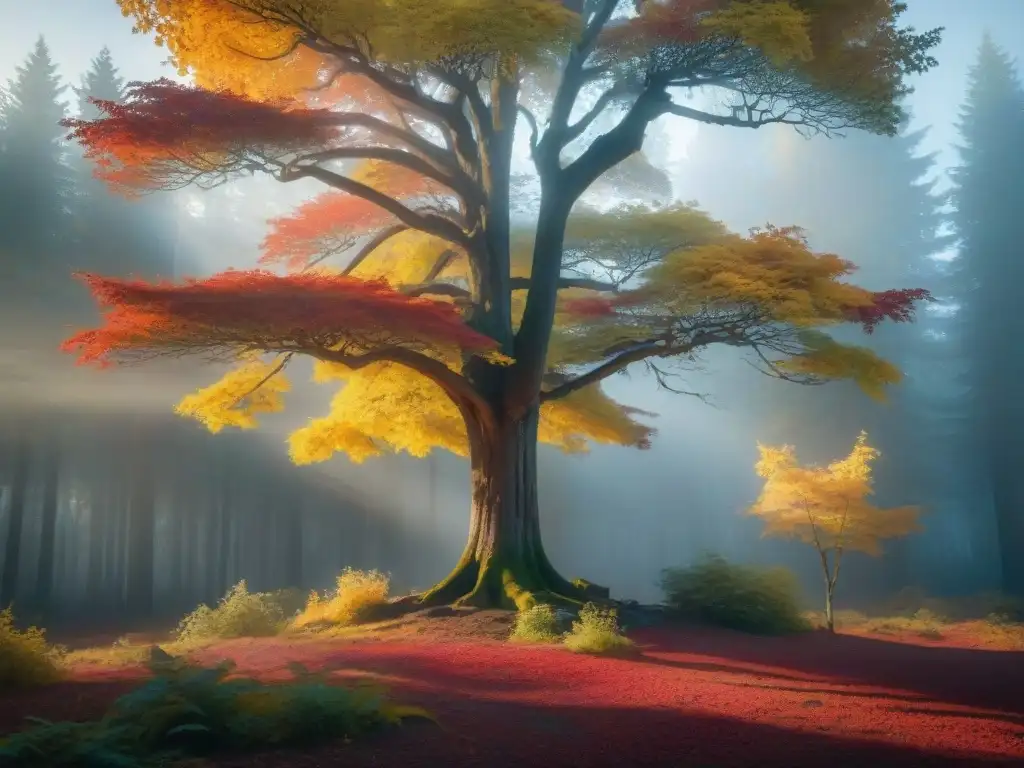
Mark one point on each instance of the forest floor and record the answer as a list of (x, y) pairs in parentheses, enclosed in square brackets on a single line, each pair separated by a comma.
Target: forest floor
[(693, 697)]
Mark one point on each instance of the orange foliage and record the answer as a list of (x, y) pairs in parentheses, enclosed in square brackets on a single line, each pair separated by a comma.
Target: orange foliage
[(329, 223), (162, 126), (333, 221), (243, 311)]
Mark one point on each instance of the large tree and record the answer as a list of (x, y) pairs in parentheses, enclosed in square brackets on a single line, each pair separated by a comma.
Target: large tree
[(468, 315)]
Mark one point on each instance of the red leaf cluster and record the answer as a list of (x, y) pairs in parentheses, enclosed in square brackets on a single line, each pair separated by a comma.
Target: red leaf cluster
[(333, 221), (162, 126), (897, 305), (660, 23), (590, 307), (258, 310), (328, 223)]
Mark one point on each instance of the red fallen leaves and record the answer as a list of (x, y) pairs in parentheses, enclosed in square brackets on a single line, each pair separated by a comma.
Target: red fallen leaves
[(258, 310), (162, 125)]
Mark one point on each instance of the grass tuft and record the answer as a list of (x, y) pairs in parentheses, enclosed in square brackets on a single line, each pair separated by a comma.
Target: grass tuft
[(240, 613), (597, 631), (26, 658), (538, 624), (761, 601), (355, 597)]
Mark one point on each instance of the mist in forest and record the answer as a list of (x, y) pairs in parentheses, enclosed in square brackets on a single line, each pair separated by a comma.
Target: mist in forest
[(114, 506)]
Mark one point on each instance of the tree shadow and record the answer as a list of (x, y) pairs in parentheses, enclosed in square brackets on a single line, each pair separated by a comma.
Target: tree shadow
[(986, 679)]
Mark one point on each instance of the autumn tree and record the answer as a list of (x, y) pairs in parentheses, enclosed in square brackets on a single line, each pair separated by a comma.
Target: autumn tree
[(827, 507), (454, 310)]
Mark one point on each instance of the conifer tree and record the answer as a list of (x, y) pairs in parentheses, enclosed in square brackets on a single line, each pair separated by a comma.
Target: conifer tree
[(987, 201), (36, 181)]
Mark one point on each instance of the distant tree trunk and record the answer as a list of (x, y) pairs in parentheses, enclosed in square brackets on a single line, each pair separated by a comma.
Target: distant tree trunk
[(291, 535), (15, 522), (223, 553), (174, 553), (98, 524), (48, 531), (139, 594)]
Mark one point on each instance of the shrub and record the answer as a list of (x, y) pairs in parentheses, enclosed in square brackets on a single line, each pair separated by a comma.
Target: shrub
[(356, 595), (538, 624), (187, 710), (597, 631), (26, 659), (240, 613), (745, 598)]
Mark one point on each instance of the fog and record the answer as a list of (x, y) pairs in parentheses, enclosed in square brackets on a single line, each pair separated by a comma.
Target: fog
[(82, 451)]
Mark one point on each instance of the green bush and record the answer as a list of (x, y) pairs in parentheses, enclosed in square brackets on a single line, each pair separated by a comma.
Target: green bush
[(538, 624), (186, 711), (26, 659), (597, 631), (240, 613), (761, 601)]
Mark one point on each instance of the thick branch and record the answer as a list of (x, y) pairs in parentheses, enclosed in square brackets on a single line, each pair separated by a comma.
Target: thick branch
[(458, 182), (523, 283), (729, 120), (439, 289), (454, 385), (636, 354), (429, 223), (372, 245)]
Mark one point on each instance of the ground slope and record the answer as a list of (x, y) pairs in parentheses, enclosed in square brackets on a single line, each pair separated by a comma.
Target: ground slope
[(694, 698)]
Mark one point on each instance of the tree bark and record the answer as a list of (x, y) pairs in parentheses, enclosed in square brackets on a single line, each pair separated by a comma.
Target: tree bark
[(504, 564)]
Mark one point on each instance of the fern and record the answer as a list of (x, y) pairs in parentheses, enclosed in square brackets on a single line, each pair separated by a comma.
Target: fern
[(188, 710)]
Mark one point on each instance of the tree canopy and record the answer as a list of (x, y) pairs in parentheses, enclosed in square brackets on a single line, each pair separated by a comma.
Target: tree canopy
[(397, 107)]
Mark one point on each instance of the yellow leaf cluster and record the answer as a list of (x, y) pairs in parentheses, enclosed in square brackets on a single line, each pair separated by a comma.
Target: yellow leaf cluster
[(773, 269), (779, 30), (828, 507), (386, 408), (825, 358), (235, 44), (225, 46), (238, 398), (408, 257)]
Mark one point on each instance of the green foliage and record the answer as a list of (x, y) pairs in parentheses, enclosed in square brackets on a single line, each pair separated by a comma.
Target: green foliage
[(26, 659), (538, 624), (745, 598), (187, 710), (240, 613), (597, 631)]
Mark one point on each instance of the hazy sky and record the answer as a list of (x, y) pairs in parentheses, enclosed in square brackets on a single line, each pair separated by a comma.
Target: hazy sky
[(77, 29)]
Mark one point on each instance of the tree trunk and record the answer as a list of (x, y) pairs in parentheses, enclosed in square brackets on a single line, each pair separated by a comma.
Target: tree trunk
[(504, 564), (15, 522), (48, 532), (139, 591), (830, 622)]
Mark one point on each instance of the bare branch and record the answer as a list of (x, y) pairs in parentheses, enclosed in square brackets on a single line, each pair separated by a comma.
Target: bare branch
[(523, 283), (373, 244), (459, 183), (439, 289), (429, 223), (639, 352)]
